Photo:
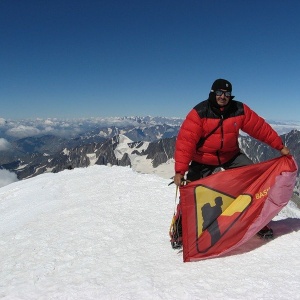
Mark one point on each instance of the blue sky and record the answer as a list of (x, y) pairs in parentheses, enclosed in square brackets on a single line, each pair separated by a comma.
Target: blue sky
[(71, 59)]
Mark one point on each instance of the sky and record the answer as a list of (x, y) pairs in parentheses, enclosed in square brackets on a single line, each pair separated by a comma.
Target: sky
[(84, 234), (91, 58)]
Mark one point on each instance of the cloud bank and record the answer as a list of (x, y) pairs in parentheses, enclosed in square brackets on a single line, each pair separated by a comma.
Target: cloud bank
[(4, 145), (68, 128), (7, 177)]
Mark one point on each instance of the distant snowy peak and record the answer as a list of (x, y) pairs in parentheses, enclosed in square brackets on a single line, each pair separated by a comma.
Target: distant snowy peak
[(122, 146)]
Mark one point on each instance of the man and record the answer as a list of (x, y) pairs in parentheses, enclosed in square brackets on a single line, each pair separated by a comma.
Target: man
[(208, 137)]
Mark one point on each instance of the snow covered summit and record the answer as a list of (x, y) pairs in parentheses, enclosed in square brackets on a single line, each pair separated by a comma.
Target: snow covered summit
[(102, 233)]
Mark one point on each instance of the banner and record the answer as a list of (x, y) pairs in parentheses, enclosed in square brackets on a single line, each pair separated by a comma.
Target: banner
[(224, 210)]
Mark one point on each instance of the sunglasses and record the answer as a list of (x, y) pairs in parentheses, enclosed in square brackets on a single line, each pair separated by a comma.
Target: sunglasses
[(220, 93)]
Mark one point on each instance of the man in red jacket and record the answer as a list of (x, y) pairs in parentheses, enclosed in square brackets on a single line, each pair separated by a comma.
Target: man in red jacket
[(208, 137)]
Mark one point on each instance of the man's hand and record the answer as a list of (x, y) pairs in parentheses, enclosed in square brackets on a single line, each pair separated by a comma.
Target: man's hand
[(177, 179), (285, 151)]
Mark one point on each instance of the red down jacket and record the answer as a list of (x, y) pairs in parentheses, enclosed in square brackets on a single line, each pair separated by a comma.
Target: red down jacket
[(222, 144)]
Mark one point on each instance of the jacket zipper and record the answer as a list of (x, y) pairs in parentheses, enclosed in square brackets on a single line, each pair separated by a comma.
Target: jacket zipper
[(222, 140), (222, 132)]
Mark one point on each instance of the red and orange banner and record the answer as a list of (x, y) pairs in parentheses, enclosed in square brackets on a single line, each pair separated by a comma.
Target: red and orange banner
[(224, 210)]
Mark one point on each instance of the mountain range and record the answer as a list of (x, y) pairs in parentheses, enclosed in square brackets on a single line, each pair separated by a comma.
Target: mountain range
[(144, 144)]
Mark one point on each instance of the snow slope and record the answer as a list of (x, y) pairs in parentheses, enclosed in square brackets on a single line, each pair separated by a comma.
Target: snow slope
[(102, 233)]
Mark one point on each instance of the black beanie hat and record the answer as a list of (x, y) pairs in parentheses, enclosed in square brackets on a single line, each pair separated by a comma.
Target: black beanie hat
[(221, 84)]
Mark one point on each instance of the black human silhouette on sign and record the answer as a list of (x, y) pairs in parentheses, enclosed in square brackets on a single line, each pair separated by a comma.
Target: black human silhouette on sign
[(210, 215)]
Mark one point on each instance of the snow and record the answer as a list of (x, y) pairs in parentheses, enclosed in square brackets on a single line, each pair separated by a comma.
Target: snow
[(66, 151), (102, 233), (140, 163), (92, 157)]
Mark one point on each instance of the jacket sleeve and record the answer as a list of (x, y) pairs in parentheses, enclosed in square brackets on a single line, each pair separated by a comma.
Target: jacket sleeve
[(258, 128), (187, 139)]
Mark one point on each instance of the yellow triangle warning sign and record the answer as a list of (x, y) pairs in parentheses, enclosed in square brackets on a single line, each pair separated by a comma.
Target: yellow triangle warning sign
[(210, 204)]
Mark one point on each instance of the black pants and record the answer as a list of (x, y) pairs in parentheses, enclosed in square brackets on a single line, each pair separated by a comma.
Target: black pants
[(197, 170)]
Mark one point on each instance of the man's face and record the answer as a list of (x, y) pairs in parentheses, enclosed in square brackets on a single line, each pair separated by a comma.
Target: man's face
[(222, 100)]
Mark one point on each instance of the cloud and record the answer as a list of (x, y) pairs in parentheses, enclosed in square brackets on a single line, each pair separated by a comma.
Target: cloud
[(7, 177), (22, 131), (4, 145), (48, 122), (2, 121)]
